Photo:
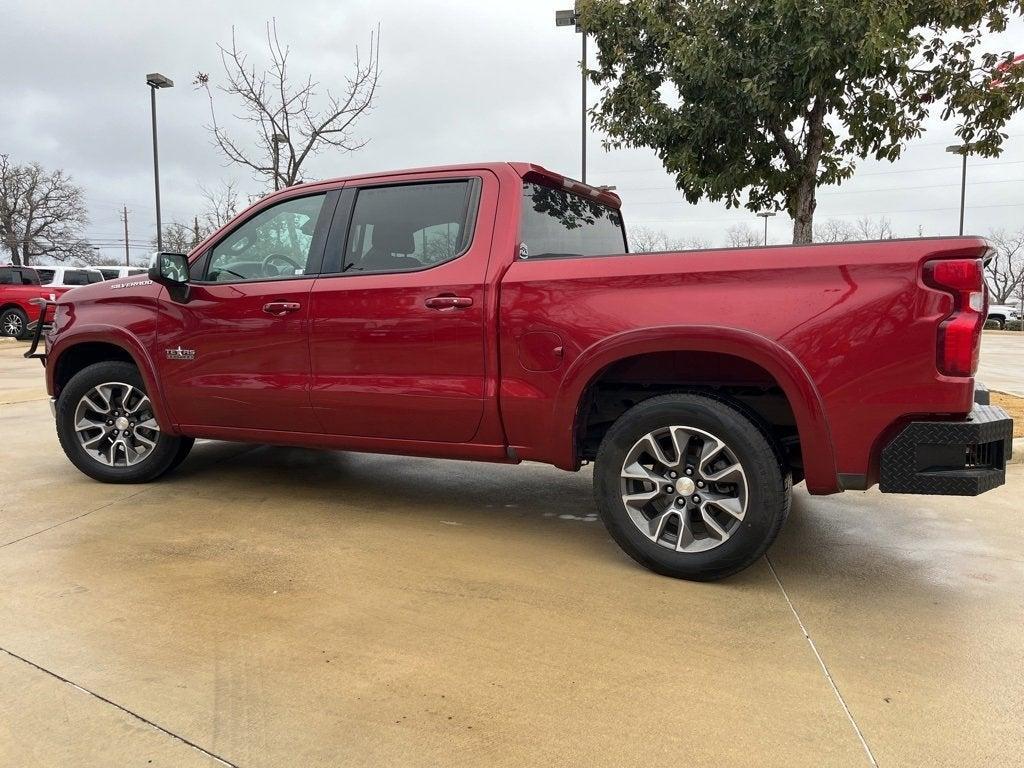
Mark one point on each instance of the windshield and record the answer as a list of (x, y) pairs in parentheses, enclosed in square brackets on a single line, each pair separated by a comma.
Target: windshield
[(559, 223)]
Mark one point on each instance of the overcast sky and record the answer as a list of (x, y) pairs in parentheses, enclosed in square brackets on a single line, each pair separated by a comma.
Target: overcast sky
[(461, 82)]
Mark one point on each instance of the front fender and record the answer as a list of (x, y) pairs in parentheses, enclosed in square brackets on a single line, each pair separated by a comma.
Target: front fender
[(118, 337), (792, 378)]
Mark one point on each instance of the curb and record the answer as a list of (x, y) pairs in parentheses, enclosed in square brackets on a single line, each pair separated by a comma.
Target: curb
[(1018, 451)]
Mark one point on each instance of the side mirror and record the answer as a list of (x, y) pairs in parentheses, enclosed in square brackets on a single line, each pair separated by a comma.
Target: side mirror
[(170, 269)]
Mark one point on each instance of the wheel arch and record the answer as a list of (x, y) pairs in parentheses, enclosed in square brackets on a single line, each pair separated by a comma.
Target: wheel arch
[(788, 372), (96, 344)]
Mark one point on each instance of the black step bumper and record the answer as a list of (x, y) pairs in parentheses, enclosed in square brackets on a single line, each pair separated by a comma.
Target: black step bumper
[(949, 458)]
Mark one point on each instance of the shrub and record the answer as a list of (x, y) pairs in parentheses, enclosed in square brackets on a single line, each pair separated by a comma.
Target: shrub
[(1013, 325), (991, 325)]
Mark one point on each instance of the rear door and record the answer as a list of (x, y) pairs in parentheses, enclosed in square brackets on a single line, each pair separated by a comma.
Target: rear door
[(235, 353), (398, 338)]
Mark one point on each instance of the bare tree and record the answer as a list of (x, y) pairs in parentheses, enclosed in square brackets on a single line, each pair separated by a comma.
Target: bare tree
[(221, 204), (864, 228), (1005, 271), (834, 231), (743, 236), (289, 127), (646, 240), (41, 214), (868, 228)]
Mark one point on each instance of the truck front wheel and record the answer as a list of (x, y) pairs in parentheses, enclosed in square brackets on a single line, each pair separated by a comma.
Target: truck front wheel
[(106, 426), (690, 487)]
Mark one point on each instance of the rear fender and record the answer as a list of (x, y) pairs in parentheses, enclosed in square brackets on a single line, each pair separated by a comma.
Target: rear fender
[(792, 378)]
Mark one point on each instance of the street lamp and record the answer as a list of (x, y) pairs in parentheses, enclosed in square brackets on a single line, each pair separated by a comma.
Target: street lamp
[(567, 19), (766, 215), (155, 80), (963, 150)]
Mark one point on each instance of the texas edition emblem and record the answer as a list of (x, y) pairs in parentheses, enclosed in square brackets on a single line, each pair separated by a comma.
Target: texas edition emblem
[(180, 354)]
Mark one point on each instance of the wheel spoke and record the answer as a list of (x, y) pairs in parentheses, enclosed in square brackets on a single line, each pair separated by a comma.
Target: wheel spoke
[(638, 500), (711, 523), (727, 475), (654, 450), (637, 471), (680, 442), (730, 505)]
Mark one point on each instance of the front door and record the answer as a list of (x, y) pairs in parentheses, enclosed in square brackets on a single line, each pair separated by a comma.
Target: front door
[(397, 333), (235, 352)]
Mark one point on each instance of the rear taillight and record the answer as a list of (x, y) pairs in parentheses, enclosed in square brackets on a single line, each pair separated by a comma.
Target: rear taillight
[(959, 337)]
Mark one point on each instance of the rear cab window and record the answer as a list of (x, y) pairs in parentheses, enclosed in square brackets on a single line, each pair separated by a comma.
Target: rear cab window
[(557, 223)]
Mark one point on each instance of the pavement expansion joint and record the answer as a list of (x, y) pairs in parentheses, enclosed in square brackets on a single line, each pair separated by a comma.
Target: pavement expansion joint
[(824, 666), (127, 711)]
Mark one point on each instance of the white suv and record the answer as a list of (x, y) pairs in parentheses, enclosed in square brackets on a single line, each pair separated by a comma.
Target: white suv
[(112, 273), (68, 277)]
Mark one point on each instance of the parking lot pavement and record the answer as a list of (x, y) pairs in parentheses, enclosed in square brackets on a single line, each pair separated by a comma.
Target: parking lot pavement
[(270, 606), (1002, 361)]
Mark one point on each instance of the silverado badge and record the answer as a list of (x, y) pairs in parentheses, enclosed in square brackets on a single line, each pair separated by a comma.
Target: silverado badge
[(180, 354)]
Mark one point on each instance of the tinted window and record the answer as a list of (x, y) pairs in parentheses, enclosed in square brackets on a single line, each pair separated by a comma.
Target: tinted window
[(273, 244), (6, 276), (559, 223), (95, 276), (46, 275), (412, 226), (109, 274), (76, 277), (26, 277)]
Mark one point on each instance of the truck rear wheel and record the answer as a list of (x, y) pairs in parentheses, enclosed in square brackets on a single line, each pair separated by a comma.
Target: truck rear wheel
[(690, 487), (106, 426)]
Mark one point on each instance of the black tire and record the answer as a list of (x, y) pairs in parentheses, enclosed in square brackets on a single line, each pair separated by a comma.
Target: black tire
[(184, 448), (14, 322), (161, 458), (768, 491), (1000, 322)]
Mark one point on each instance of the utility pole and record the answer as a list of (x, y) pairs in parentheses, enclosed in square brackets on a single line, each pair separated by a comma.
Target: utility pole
[(124, 218)]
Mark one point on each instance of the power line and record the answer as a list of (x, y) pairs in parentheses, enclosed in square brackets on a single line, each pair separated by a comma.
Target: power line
[(683, 220), (856, 191)]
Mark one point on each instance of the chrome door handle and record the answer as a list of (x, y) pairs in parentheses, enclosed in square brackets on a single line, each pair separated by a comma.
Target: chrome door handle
[(281, 307), (449, 302)]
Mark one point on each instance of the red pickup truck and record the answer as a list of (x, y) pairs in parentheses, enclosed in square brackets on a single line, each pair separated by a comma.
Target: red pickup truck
[(492, 312), (21, 297)]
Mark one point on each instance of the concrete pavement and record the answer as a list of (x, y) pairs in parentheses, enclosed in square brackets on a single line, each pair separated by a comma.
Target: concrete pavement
[(272, 607), (1002, 361)]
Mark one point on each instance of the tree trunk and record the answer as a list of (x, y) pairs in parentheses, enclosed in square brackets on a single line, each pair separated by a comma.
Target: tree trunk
[(802, 212)]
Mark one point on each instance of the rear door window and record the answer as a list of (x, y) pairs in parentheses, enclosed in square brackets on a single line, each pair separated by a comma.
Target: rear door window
[(110, 274), (46, 275), (408, 227), (559, 223)]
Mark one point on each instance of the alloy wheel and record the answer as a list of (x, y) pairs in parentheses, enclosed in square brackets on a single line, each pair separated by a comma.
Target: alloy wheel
[(684, 488), (115, 425)]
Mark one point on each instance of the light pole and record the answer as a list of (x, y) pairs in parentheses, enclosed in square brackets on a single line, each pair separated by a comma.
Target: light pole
[(766, 215), (155, 80), (963, 150), (568, 19)]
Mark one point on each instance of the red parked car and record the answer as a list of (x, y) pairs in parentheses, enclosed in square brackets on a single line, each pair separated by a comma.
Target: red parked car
[(492, 312), (20, 293)]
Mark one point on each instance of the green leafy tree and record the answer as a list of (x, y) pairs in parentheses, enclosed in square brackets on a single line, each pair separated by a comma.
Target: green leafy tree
[(779, 97)]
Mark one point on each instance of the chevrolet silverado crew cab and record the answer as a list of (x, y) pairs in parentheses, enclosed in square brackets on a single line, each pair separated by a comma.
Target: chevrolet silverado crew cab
[(492, 312)]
